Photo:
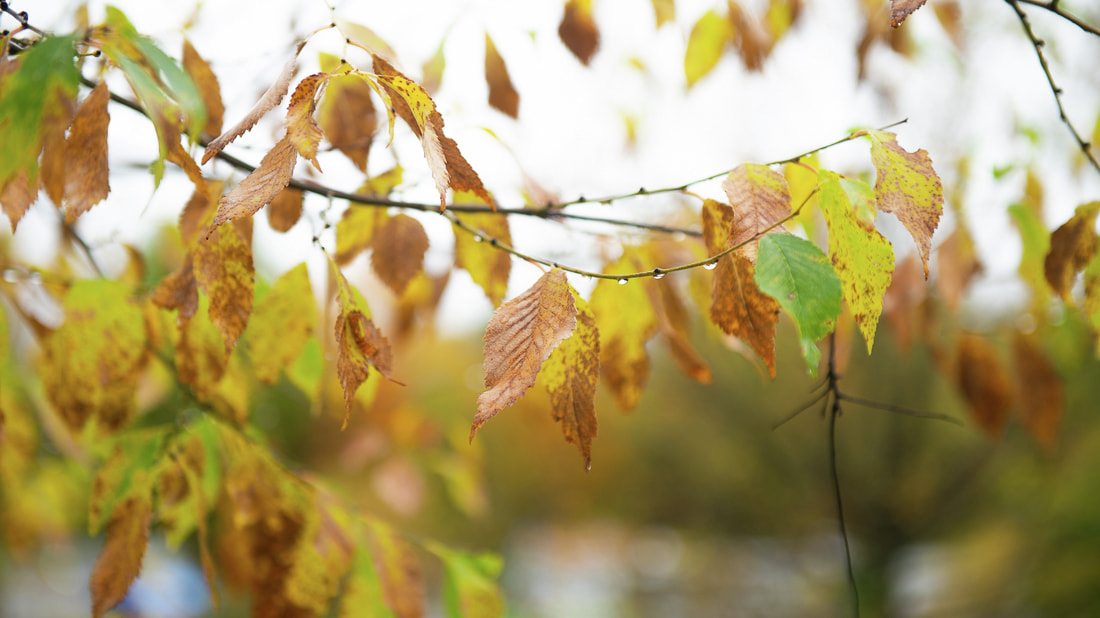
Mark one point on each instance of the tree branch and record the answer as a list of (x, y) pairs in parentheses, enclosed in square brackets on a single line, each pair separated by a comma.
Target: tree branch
[(1053, 7)]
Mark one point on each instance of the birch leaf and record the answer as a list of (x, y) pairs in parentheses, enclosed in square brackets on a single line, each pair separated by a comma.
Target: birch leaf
[(261, 186), (570, 374), (760, 198), (1072, 247), (86, 175), (399, 249)]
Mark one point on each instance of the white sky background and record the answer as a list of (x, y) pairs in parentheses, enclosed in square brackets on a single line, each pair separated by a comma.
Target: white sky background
[(570, 132)]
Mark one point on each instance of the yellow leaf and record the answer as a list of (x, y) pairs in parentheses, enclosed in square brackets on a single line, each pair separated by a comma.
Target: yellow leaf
[(488, 266), (706, 42), (570, 374), (359, 342), (519, 338), (322, 557), (356, 231), (281, 324), (626, 321)]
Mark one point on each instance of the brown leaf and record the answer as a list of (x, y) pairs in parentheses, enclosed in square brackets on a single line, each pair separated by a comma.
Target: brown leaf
[(740, 309), (1040, 391), (760, 198), (906, 293), (209, 90), (749, 37), (983, 383), (179, 290), (399, 250), (285, 209), (270, 98), (502, 94), (53, 166), (908, 187), (16, 197), (224, 272), (570, 375), (301, 129), (519, 338), (86, 152), (1072, 247), (347, 116), (578, 30), (672, 320), (957, 264), (119, 562), (261, 186), (359, 342), (198, 213), (900, 9)]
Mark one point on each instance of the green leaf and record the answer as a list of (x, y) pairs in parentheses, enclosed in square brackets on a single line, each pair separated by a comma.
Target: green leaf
[(862, 257), (129, 471), (1036, 245), (469, 583), (363, 595), (798, 275), (45, 78)]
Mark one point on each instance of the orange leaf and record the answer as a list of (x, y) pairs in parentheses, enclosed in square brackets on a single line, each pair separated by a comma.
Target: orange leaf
[(900, 9), (16, 197), (209, 90), (270, 98), (179, 290), (956, 264), (570, 375), (672, 321), (359, 342), (578, 30), (224, 272), (1072, 247), (906, 293), (749, 37), (760, 198), (984, 384), (519, 338), (285, 209), (399, 249), (502, 94), (119, 562), (261, 186), (53, 167), (199, 211), (1039, 387), (86, 155), (301, 129)]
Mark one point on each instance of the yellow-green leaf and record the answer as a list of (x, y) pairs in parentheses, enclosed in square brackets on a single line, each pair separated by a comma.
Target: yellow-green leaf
[(281, 324), (708, 39), (469, 583)]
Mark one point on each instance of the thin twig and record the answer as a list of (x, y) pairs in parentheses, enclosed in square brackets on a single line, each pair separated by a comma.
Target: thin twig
[(1053, 7), (801, 409), (1038, 44), (833, 379), (889, 407)]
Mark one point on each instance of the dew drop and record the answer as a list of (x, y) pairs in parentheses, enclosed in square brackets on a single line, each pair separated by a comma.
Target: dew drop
[(657, 274), (478, 239), (622, 281), (710, 265)]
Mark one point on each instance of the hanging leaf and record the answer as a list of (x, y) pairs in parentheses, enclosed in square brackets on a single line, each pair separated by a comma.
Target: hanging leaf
[(519, 338), (956, 265), (984, 384), (795, 272), (1072, 247), (119, 562), (209, 89), (179, 290), (356, 231), (399, 249), (285, 209), (398, 570), (359, 342), (224, 272), (861, 256), (908, 188), (261, 186), (281, 324), (488, 266), (749, 37), (346, 114), (16, 197), (760, 199), (570, 374), (900, 9), (673, 323), (1036, 246), (502, 94), (578, 30), (706, 43), (1040, 391), (322, 558), (301, 129), (86, 174), (625, 321), (664, 11)]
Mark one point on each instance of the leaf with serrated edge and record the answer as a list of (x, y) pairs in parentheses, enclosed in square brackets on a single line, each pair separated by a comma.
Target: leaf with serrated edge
[(570, 375), (900, 9), (862, 257), (119, 562), (261, 186), (799, 277), (626, 321), (1072, 247), (578, 30), (760, 198), (359, 342), (86, 176), (519, 338), (281, 324), (907, 187), (399, 249), (301, 129), (224, 272), (209, 89), (502, 94), (270, 98), (706, 43)]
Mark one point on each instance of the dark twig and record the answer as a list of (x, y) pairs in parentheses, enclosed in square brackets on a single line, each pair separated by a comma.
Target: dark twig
[(889, 407), (833, 378), (1053, 7), (1038, 44), (806, 406)]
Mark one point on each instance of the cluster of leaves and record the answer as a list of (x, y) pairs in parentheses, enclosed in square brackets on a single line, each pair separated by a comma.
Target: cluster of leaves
[(216, 332)]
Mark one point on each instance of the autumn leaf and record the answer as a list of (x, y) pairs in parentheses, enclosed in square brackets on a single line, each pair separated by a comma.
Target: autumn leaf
[(261, 186), (760, 198), (322, 557), (794, 272), (128, 473), (359, 342), (301, 129), (578, 30), (209, 89), (285, 209), (270, 98), (1040, 391), (356, 231), (347, 115), (983, 383), (664, 11), (502, 94), (469, 586), (862, 257), (53, 165), (673, 323), (903, 298), (705, 45), (908, 188), (188, 480), (16, 197), (224, 272), (1036, 246), (900, 9), (281, 324), (570, 374), (1072, 247), (363, 596), (119, 562), (399, 249), (1091, 306), (179, 290), (626, 321), (398, 570), (519, 338), (752, 43), (488, 266), (86, 175), (956, 265)]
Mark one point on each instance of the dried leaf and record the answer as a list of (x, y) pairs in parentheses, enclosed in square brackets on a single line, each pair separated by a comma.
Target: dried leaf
[(261, 186), (502, 94), (399, 250), (347, 115), (578, 30), (209, 89), (908, 188), (120, 561), (224, 272), (900, 302), (956, 265), (1072, 247), (760, 198), (672, 320), (488, 266), (705, 45), (302, 131), (359, 342), (984, 384), (1040, 390), (53, 165), (664, 11), (16, 197), (285, 209), (86, 179), (281, 324), (270, 98), (570, 374), (179, 290), (519, 338), (626, 321), (900, 9)]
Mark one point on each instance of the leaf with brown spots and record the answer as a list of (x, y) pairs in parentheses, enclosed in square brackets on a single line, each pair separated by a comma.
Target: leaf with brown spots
[(502, 94), (1072, 247), (359, 343), (179, 290), (983, 383), (261, 186), (1040, 390), (301, 129), (209, 89), (347, 115), (224, 272), (519, 338), (578, 30), (86, 175), (570, 374), (399, 249), (900, 9), (760, 198), (270, 98), (908, 188), (119, 562)]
